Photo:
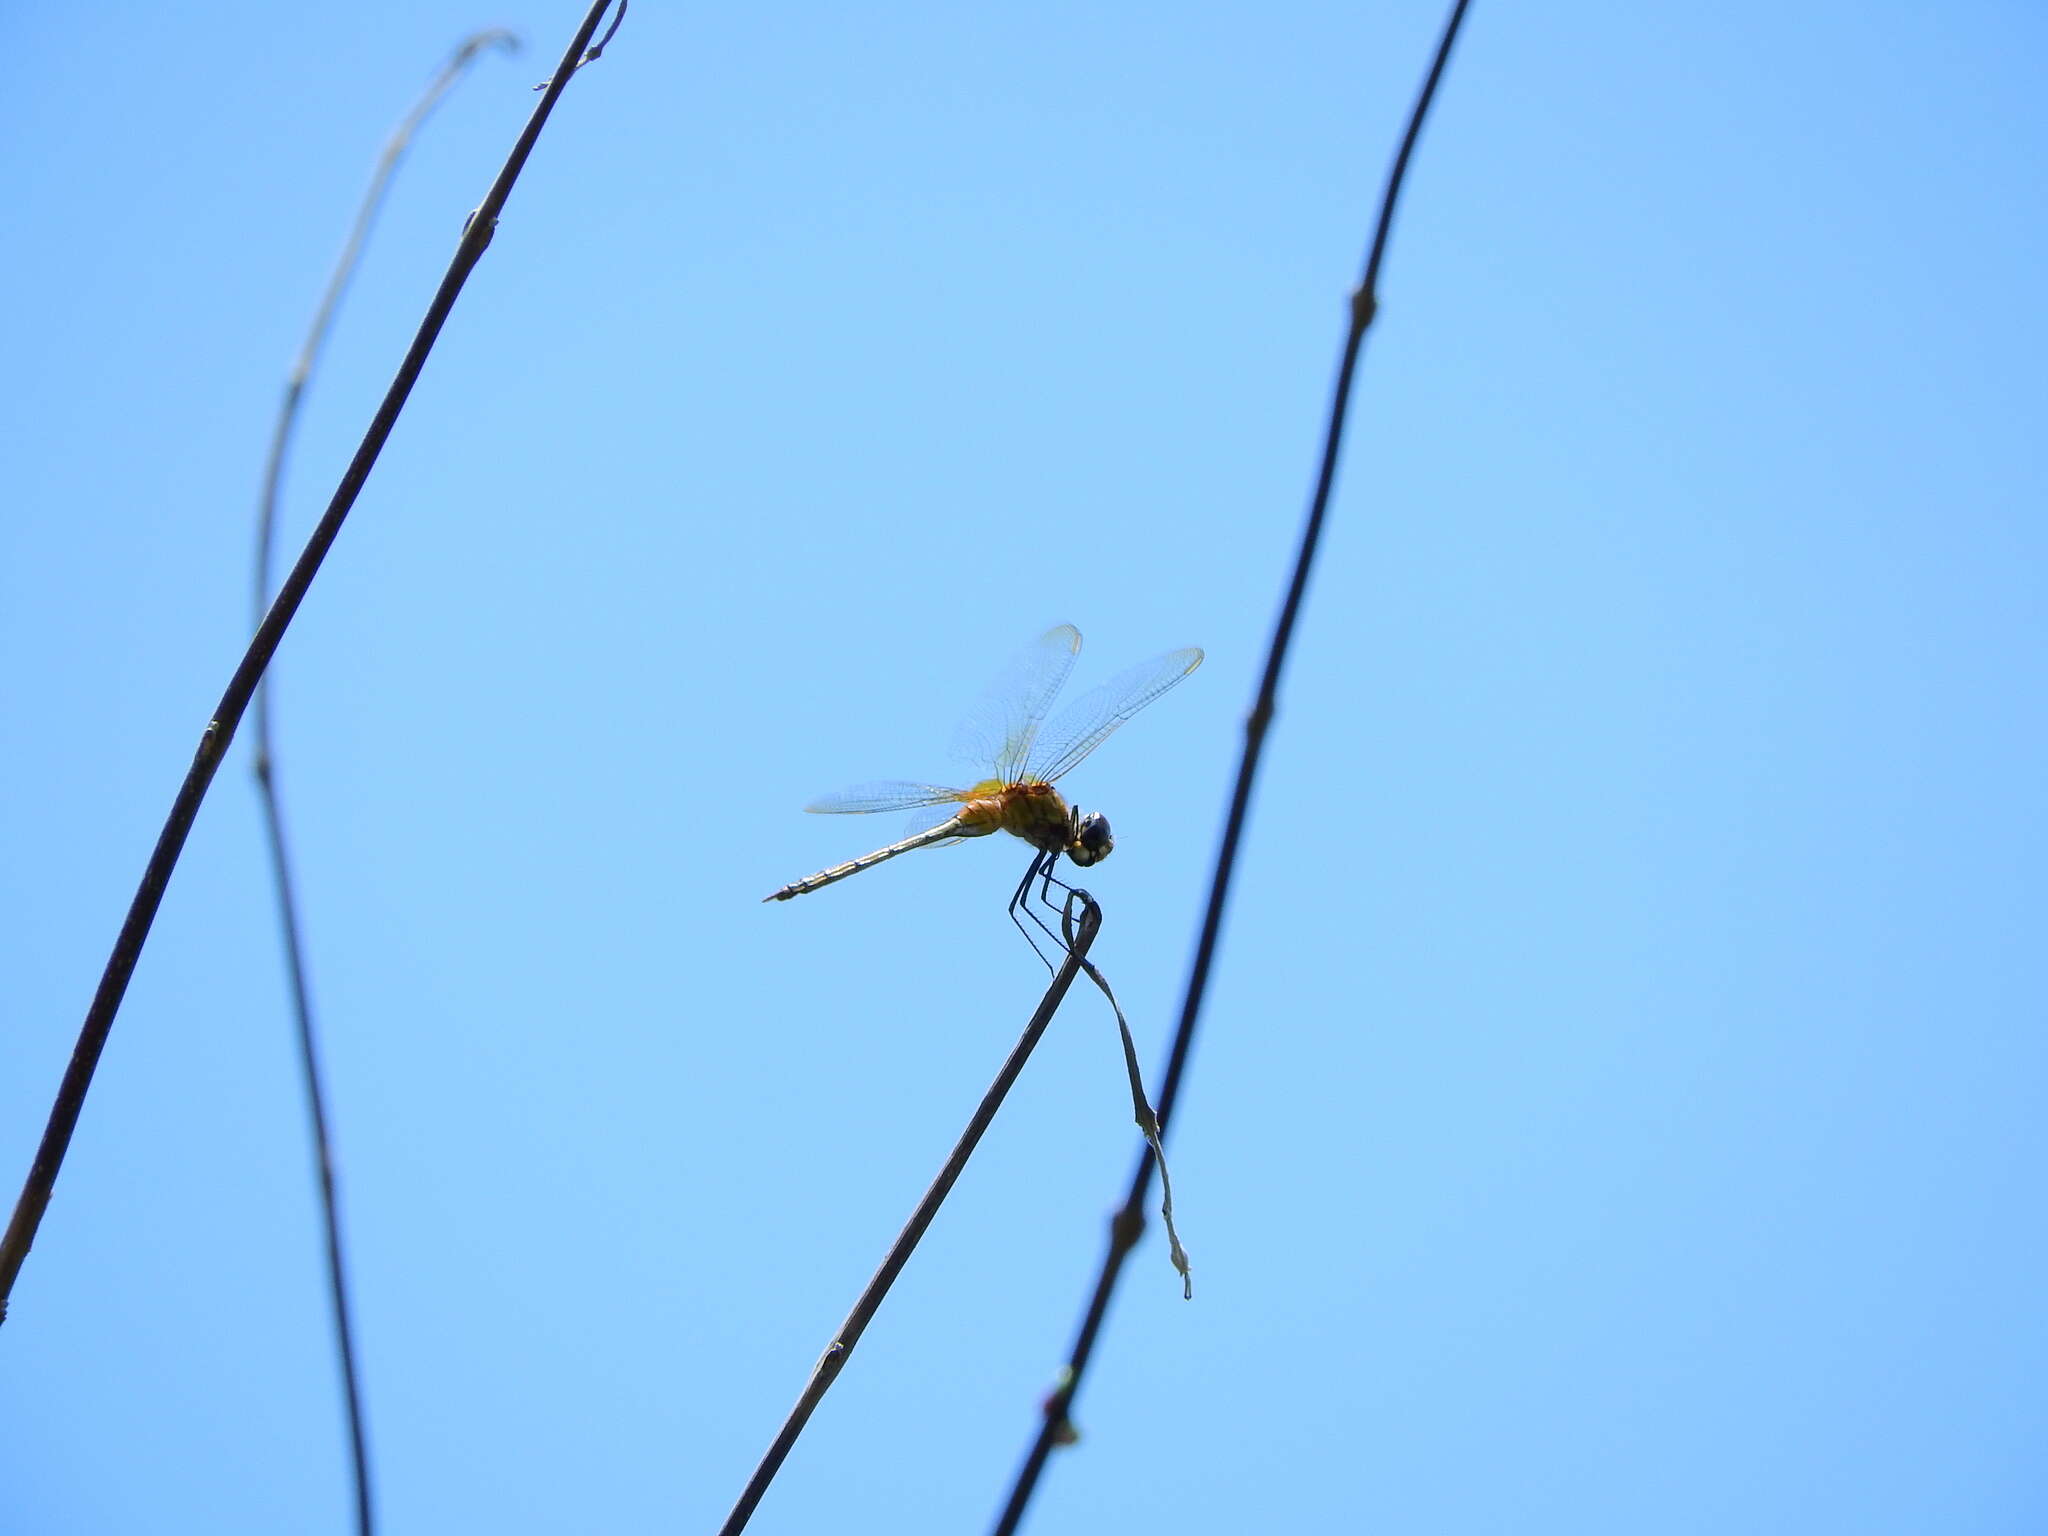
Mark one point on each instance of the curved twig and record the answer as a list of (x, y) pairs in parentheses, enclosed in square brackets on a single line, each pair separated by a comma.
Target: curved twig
[(263, 764), (1141, 1110), (596, 50)]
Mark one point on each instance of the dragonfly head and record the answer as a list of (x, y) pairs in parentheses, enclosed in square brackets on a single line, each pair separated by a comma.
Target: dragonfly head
[(1091, 842)]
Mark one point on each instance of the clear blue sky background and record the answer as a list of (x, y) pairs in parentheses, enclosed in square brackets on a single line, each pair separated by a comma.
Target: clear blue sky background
[(1621, 1103)]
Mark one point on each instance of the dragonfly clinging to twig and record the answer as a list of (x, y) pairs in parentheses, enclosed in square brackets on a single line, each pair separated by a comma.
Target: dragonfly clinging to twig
[(1005, 738)]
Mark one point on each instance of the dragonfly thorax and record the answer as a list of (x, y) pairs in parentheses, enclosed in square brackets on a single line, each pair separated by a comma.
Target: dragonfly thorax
[(1039, 814)]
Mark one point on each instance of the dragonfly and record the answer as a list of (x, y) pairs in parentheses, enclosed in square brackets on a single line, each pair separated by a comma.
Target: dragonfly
[(1005, 739)]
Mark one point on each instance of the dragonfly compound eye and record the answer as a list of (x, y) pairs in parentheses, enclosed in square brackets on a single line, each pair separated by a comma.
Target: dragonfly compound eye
[(1092, 843)]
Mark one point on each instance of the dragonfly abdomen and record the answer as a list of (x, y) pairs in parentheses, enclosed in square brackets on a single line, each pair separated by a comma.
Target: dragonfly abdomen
[(957, 826)]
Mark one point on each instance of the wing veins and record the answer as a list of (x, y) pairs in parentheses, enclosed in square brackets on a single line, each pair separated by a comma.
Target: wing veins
[(1091, 719), (883, 795)]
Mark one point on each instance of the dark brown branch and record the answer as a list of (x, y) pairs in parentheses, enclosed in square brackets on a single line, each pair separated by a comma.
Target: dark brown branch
[(1128, 1224), (234, 702), (834, 1359)]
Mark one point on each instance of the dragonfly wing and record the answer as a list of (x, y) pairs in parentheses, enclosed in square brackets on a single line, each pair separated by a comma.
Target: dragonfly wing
[(887, 795), (997, 735), (1087, 723), (930, 816)]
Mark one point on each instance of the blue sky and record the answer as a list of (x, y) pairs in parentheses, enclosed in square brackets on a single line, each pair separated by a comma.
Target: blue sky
[(1621, 1099)]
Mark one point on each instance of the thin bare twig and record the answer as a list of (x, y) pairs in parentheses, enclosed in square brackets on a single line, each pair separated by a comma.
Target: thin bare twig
[(264, 763), (1057, 1427), (241, 688), (834, 1359)]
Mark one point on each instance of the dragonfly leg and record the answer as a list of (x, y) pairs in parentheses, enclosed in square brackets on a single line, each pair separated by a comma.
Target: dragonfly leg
[(1021, 901)]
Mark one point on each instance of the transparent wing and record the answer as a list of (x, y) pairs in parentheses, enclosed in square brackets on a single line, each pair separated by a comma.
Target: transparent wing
[(1087, 723), (924, 820), (887, 795), (998, 732)]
